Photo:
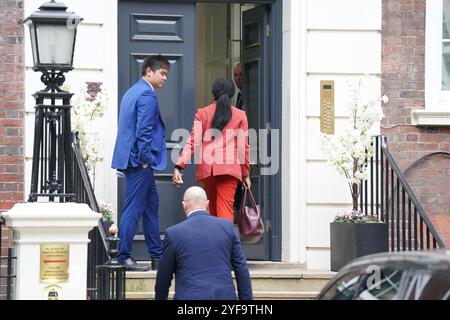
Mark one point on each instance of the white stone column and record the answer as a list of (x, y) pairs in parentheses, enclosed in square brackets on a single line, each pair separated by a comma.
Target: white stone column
[(42, 224)]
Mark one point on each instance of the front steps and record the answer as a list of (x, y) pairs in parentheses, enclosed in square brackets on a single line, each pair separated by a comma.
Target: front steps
[(270, 281)]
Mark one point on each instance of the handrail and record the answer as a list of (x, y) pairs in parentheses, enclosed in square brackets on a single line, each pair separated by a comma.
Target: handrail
[(92, 200), (84, 193), (388, 195), (409, 191), (84, 173)]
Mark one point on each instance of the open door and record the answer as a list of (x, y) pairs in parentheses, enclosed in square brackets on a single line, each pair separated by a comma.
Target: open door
[(256, 88), (169, 28), (147, 28)]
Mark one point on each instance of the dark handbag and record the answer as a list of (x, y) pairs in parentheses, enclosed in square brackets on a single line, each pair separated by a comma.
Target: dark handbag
[(250, 222)]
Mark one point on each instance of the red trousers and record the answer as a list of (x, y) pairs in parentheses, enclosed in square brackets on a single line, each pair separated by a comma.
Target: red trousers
[(220, 191)]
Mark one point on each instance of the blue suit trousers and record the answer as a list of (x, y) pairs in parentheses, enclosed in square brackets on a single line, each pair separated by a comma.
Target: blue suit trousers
[(141, 200)]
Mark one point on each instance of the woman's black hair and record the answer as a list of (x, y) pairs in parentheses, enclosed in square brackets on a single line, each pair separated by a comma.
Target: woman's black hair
[(222, 90)]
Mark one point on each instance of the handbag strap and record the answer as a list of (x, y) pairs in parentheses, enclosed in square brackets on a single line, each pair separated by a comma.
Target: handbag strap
[(244, 199), (252, 199)]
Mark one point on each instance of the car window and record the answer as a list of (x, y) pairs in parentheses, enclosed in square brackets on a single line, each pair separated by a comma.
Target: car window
[(381, 283), (344, 288), (427, 285), (391, 282)]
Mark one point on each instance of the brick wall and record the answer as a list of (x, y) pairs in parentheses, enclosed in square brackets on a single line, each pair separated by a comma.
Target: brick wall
[(403, 81), (12, 114), (11, 104)]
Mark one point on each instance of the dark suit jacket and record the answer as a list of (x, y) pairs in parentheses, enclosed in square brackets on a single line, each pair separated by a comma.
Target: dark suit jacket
[(141, 133), (201, 251)]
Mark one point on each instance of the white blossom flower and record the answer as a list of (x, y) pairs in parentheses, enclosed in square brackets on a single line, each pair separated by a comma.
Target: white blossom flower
[(349, 150), (87, 120)]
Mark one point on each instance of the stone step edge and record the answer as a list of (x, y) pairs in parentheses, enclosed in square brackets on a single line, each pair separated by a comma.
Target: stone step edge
[(259, 274), (260, 264), (256, 294)]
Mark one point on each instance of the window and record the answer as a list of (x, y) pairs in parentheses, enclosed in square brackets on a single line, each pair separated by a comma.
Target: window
[(345, 288), (446, 46), (437, 66), (385, 288), (428, 285)]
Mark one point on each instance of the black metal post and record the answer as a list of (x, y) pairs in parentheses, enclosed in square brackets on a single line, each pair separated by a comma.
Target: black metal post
[(409, 225), (397, 200), (392, 212), (9, 273), (415, 229), (371, 185), (111, 275), (52, 140), (377, 176)]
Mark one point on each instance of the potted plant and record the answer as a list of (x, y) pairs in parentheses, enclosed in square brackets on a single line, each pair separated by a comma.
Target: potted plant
[(107, 212), (355, 234)]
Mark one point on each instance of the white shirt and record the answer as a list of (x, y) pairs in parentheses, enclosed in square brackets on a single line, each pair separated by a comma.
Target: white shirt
[(149, 84)]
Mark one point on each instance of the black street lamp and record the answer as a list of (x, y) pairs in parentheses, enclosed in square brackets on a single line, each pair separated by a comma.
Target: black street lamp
[(58, 172), (53, 34)]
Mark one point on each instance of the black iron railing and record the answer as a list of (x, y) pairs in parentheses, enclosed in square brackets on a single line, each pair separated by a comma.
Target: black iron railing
[(84, 193), (51, 172), (111, 275), (388, 195), (58, 172), (7, 275)]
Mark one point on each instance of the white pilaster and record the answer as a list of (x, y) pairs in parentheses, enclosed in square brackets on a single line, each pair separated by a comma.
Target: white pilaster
[(294, 131), (36, 224)]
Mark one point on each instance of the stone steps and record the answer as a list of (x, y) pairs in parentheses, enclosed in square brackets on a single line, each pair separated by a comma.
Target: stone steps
[(270, 280), (258, 295)]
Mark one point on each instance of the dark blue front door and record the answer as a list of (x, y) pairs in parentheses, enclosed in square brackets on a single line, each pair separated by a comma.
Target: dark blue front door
[(147, 28), (169, 28)]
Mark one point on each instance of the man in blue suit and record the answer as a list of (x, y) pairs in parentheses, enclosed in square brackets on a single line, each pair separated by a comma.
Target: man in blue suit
[(201, 251), (140, 148)]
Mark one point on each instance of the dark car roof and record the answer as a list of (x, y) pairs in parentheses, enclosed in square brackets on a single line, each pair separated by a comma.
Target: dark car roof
[(430, 260), (437, 258)]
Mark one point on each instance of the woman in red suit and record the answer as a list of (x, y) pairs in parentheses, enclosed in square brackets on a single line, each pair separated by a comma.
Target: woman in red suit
[(221, 132)]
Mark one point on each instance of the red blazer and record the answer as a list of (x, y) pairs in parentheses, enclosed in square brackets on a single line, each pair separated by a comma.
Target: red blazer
[(220, 153)]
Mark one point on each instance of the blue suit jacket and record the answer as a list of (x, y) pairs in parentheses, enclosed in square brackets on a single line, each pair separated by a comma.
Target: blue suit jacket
[(201, 251), (141, 133)]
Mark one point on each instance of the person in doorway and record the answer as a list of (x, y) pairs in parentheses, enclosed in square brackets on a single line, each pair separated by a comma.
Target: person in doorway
[(140, 148), (202, 261), (221, 132), (237, 73)]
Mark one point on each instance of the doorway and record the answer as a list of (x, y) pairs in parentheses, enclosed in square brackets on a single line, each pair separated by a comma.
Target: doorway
[(204, 41)]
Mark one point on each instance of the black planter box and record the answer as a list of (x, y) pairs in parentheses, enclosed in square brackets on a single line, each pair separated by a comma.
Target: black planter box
[(352, 240)]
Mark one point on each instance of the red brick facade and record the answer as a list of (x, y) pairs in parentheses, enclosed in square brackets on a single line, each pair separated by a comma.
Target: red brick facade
[(12, 115), (11, 104), (403, 81)]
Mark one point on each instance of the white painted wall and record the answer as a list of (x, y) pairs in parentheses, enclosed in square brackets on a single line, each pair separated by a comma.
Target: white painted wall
[(95, 60), (322, 40)]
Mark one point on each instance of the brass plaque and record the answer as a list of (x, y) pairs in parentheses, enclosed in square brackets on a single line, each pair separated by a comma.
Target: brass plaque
[(54, 263), (327, 106)]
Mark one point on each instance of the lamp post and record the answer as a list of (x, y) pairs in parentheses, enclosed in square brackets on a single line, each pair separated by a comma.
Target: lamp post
[(53, 34)]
